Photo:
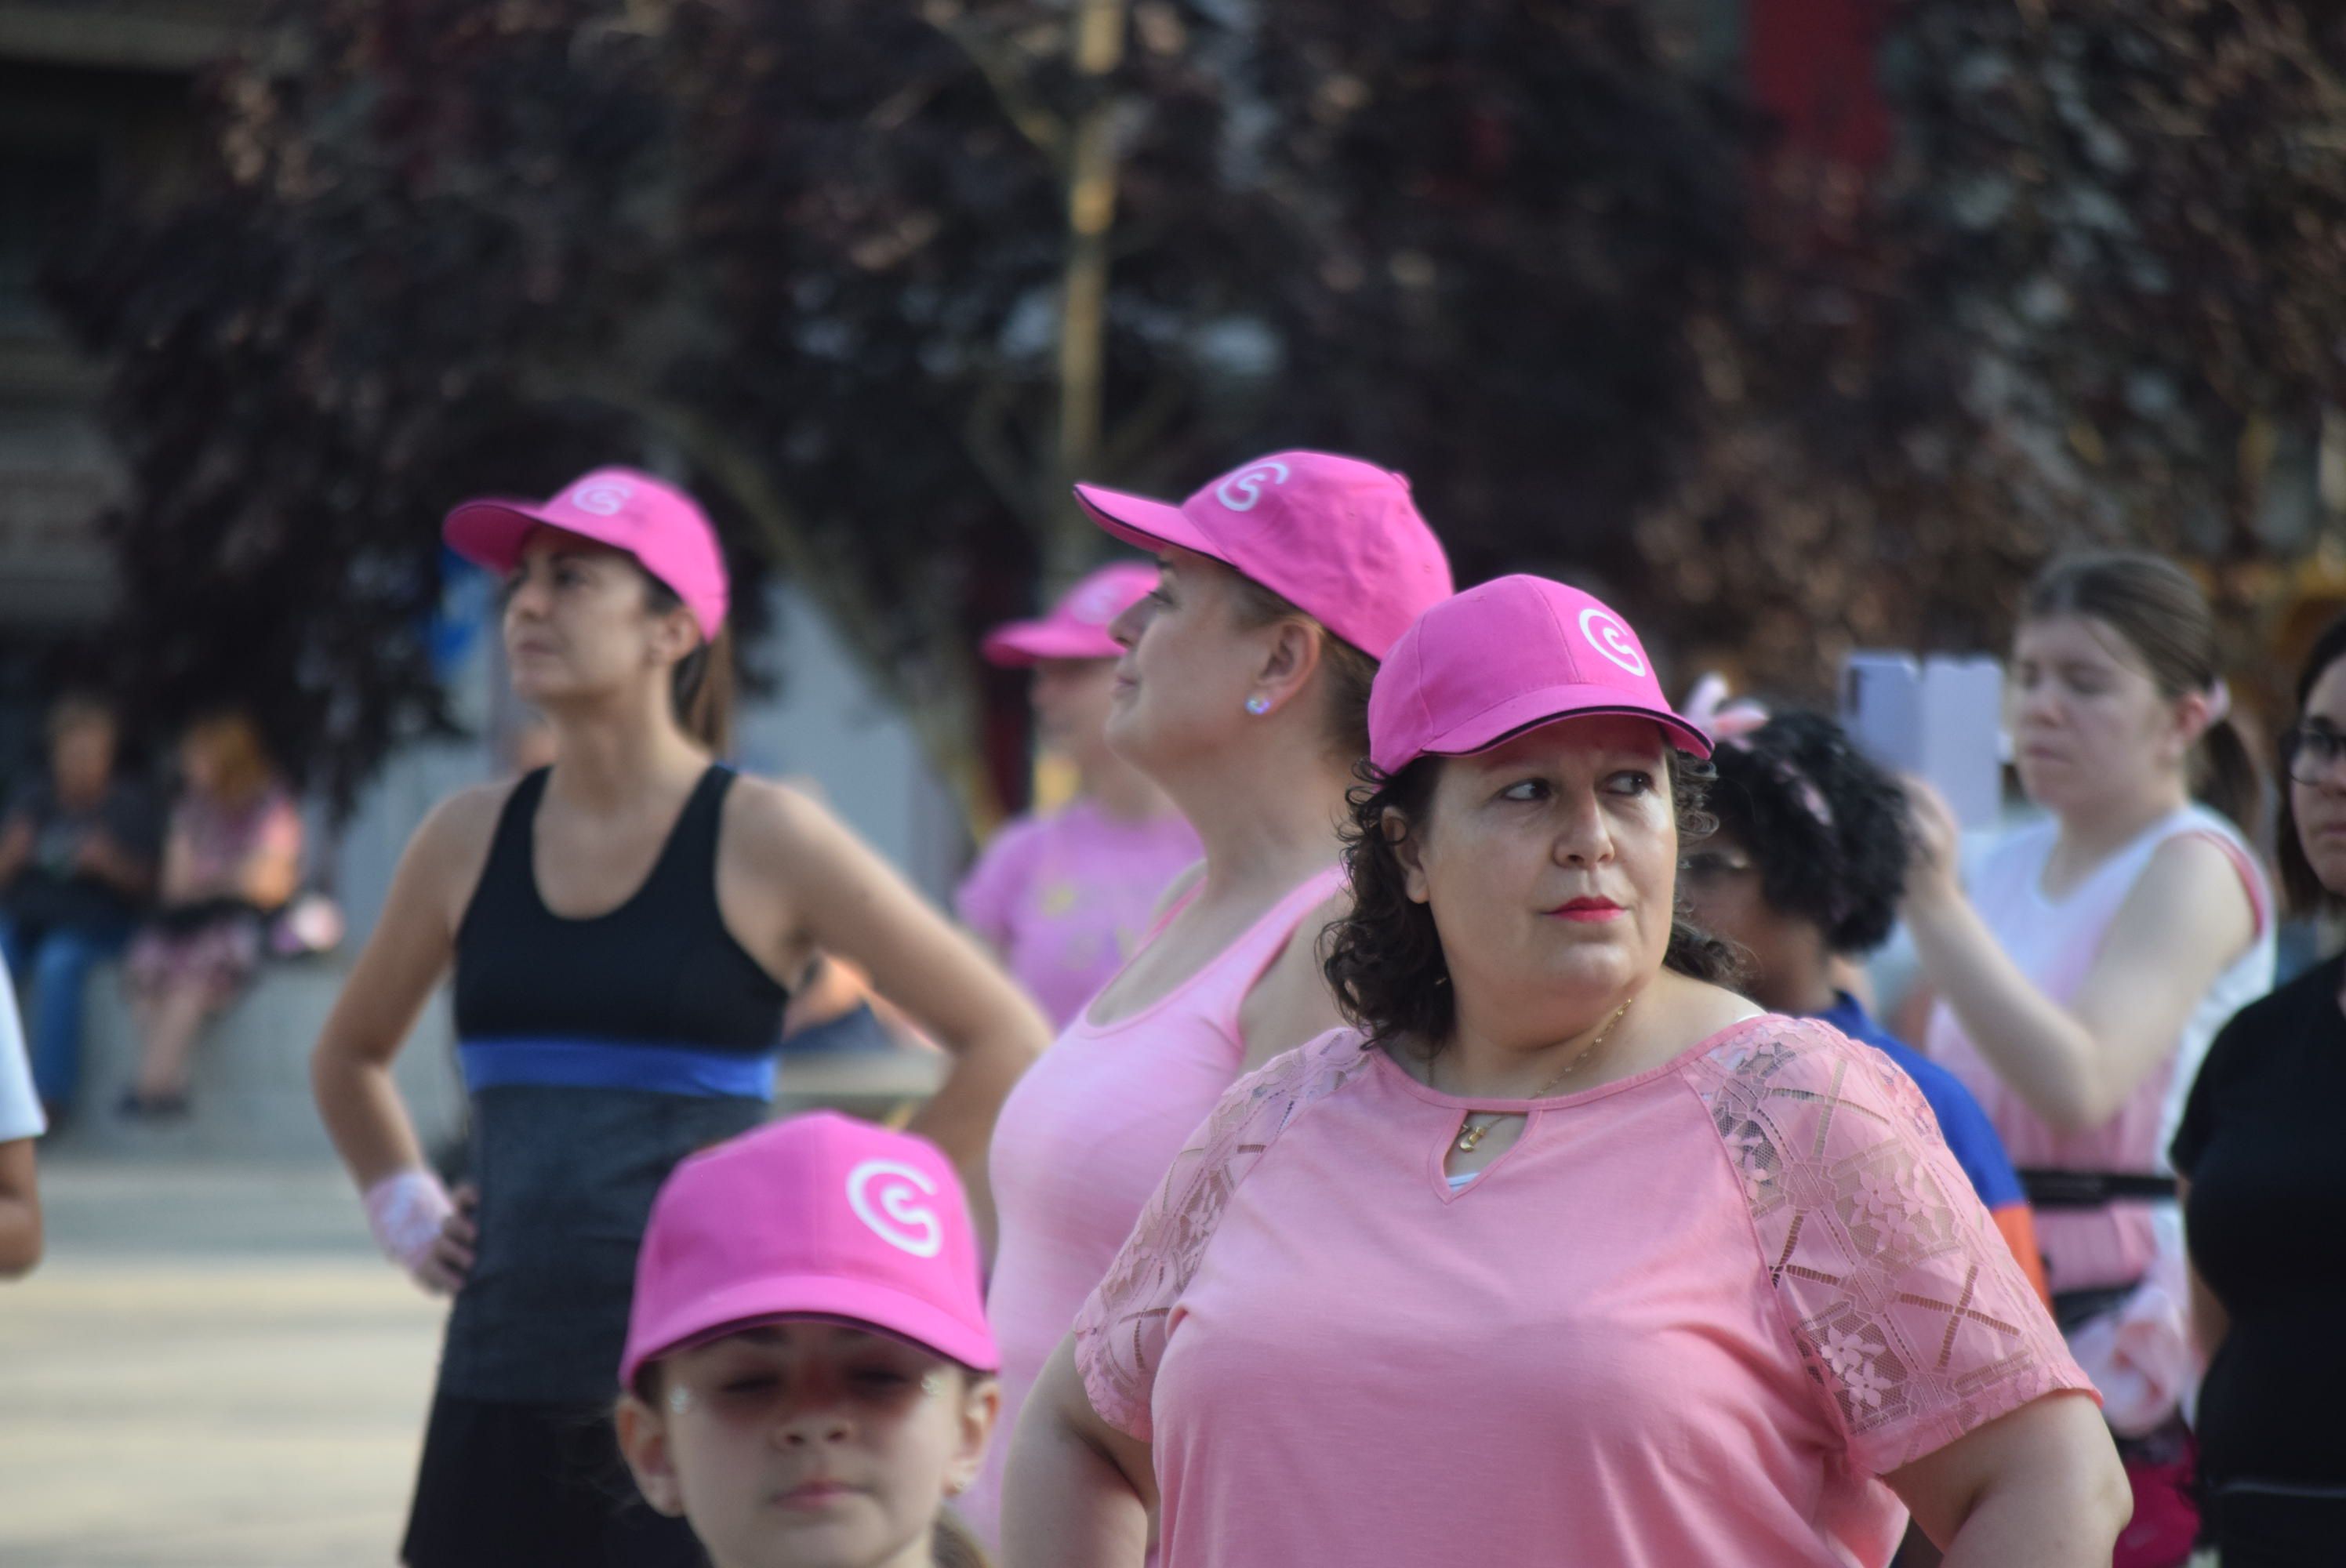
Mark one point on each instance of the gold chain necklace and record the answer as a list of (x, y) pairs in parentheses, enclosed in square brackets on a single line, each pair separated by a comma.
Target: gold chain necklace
[(1470, 1136)]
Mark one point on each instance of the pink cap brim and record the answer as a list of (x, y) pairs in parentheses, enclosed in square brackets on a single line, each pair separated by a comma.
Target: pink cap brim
[(854, 1300), (1031, 642), (490, 533), (1552, 705), (1150, 525)]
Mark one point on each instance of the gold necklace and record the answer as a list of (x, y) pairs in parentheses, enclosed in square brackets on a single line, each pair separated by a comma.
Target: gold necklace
[(1470, 1136)]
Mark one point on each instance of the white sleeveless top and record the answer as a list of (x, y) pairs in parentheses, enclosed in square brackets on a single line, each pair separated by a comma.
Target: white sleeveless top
[(2055, 942)]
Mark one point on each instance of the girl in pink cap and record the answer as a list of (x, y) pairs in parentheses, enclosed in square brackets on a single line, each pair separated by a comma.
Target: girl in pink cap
[(1562, 1252), (1242, 692), (1064, 897), (624, 927), (807, 1374)]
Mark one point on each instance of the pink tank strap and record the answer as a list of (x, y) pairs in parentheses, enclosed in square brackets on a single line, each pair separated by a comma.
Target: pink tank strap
[(2252, 876), (1216, 990), (1189, 896), (1229, 980)]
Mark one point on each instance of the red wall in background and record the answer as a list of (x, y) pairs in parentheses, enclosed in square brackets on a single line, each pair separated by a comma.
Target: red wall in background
[(1813, 66)]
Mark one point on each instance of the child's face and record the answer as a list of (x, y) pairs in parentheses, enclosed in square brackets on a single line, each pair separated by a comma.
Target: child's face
[(808, 1443)]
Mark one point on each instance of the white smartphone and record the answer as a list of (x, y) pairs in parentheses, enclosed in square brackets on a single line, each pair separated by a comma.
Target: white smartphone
[(1940, 717)]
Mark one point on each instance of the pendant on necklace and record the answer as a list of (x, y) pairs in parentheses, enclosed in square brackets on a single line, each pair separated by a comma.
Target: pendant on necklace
[(1472, 1136)]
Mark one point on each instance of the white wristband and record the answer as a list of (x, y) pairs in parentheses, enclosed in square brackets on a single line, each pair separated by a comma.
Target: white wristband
[(405, 1210)]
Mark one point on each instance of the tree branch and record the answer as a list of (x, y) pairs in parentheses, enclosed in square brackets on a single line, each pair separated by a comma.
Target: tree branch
[(1038, 124)]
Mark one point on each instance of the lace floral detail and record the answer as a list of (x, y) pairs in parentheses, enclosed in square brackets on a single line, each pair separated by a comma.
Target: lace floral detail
[(1905, 1300), (1120, 1332)]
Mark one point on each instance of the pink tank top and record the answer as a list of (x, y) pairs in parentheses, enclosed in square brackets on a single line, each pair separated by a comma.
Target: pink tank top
[(2055, 942), (1085, 1139)]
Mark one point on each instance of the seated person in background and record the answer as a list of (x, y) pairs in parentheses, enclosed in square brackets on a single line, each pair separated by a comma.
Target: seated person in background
[(20, 1123), (76, 861), (231, 858), (1804, 875)]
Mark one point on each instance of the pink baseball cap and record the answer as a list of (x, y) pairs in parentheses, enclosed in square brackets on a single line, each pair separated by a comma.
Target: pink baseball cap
[(656, 523), (1512, 655), (1076, 626), (1338, 538), (816, 1216)]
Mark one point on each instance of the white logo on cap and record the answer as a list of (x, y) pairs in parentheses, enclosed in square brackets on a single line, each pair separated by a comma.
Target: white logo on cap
[(603, 498), (902, 1221), (1249, 484), (1608, 637)]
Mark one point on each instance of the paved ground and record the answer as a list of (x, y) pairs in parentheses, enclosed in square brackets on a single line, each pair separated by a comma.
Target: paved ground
[(211, 1368)]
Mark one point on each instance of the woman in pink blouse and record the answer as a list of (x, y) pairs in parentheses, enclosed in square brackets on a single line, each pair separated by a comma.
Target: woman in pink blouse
[(1243, 693), (1563, 1253)]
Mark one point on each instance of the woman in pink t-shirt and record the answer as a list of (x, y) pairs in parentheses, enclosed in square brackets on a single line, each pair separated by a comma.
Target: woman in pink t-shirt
[(1064, 897), (1243, 693), (1563, 1253)]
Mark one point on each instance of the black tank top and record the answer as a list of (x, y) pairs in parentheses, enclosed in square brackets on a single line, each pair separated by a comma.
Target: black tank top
[(567, 1168), (660, 968)]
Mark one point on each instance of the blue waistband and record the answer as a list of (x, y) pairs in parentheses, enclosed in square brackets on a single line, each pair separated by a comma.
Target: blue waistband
[(615, 1065)]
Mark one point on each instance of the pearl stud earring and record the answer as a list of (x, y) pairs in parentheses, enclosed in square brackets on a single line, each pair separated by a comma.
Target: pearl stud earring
[(1257, 706)]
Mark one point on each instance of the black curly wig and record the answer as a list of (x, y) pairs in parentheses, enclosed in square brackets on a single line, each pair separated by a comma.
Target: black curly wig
[(1841, 866), (1384, 959)]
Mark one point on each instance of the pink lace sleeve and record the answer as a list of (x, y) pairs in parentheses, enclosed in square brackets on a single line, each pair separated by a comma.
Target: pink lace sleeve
[(1120, 1333), (1902, 1297)]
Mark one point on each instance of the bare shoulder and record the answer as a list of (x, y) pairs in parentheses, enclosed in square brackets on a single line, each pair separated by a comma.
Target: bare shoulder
[(454, 835), (1697, 1009), (450, 849), (1307, 947), (784, 836), (2193, 864), (2195, 887), (1291, 1003), (1300, 970), (767, 817)]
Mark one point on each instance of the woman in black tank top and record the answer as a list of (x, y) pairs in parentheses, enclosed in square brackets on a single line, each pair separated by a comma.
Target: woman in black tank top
[(620, 926)]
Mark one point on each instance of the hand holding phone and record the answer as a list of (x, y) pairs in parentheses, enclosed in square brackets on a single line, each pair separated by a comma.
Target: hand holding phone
[(1939, 719)]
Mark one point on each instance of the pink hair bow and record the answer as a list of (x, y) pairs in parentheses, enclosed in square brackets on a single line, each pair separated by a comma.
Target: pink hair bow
[(1733, 720), (1725, 717)]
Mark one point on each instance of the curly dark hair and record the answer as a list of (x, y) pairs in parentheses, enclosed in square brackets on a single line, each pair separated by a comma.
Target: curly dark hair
[(1844, 870), (1384, 959)]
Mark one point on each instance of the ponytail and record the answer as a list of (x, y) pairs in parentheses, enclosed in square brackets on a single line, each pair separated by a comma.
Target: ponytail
[(2225, 778), (702, 687)]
